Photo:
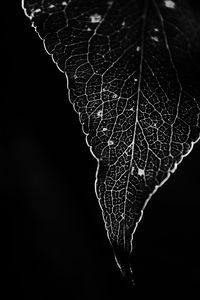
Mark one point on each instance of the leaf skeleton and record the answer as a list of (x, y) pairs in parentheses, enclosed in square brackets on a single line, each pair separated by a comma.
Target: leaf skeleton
[(131, 77)]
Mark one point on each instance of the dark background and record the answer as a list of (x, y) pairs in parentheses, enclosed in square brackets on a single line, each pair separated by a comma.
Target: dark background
[(53, 238)]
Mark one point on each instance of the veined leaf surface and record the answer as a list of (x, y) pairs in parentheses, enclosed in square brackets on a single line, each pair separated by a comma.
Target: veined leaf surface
[(131, 69)]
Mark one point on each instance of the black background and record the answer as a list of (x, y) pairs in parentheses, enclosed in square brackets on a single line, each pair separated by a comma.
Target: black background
[(53, 237)]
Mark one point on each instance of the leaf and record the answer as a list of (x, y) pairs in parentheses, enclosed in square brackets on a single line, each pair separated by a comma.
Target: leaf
[(132, 76)]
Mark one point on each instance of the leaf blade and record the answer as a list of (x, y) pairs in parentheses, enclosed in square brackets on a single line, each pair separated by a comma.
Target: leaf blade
[(132, 99)]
